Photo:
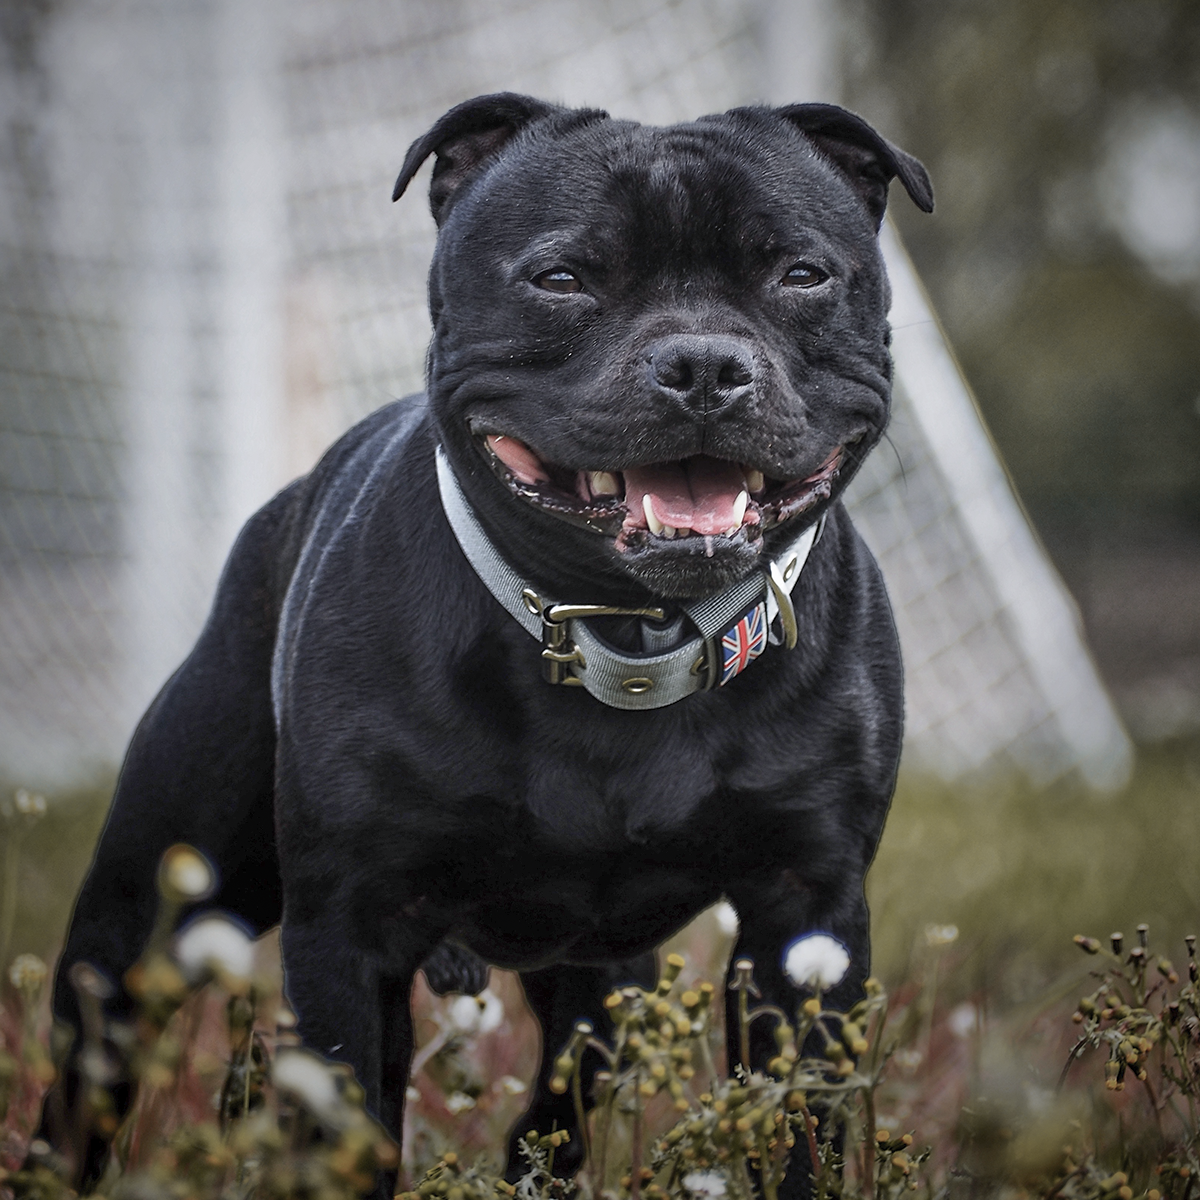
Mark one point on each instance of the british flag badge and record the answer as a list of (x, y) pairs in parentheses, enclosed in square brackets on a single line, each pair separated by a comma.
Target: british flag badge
[(742, 644)]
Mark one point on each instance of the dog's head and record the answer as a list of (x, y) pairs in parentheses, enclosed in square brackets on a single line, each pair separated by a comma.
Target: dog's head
[(656, 350)]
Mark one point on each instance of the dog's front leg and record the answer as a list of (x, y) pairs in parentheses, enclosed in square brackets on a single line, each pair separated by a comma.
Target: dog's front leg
[(352, 1006), (774, 913), (560, 996)]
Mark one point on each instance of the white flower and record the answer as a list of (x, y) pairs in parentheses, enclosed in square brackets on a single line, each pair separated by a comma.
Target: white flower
[(476, 1014), (705, 1183), (217, 945), (940, 935), (727, 918), (817, 961), (306, 1077), (512, 1086), (459, 1102)]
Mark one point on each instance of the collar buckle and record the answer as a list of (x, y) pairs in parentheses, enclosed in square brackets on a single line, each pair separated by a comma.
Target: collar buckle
[(559, 652)]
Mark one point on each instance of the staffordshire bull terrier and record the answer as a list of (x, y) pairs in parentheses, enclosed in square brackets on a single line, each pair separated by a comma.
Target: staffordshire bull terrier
[(532, 669)]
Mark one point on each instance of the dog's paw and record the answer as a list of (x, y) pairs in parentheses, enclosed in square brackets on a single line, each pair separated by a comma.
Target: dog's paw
[(452, 968)]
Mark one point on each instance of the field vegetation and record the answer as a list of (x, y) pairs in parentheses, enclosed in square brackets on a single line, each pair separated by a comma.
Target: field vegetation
[(991, 1056)]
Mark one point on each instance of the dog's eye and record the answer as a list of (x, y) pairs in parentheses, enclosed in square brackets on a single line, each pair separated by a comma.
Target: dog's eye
[(804, 275), (558, 280)]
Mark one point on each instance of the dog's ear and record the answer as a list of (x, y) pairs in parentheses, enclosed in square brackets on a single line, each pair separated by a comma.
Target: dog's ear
[(463, 139), (869, 161)]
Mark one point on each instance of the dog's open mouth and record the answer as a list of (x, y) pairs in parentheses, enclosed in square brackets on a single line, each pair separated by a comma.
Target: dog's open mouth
[(697, 497)]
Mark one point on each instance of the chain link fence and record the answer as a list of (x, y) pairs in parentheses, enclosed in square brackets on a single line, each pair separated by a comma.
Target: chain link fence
[(204, 283)]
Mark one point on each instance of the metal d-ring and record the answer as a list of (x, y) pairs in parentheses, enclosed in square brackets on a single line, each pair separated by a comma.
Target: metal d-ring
[(787, 614)]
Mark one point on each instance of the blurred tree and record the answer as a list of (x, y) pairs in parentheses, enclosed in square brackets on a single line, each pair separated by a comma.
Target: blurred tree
[(1063, 137)]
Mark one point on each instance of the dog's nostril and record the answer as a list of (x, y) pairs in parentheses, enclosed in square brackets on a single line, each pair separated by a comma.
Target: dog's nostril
[(674, 372), (734, 373)]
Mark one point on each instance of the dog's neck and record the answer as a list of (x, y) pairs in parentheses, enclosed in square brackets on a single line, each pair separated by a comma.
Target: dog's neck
[(638, 658)]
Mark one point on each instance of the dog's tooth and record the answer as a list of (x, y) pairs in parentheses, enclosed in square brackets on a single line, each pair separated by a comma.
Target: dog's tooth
[(739, 507), (731, 531), (683, 532), (754, 480), (668, 531), (604, 483), (656, 526)]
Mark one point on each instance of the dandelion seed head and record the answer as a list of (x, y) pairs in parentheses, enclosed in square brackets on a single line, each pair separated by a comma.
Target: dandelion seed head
[(705, 1184), (214, 944), (459, 1102), (476, 1014), (817, 961), (727, 918), (307, 1078)]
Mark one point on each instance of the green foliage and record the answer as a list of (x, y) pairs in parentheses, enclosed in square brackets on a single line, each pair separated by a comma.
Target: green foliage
[(1086, 364), (1018, 870)]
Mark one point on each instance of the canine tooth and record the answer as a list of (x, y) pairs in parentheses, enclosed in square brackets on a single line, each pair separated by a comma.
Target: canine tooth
[(656, 526), (604, 483), (739, 507), (754, 480)]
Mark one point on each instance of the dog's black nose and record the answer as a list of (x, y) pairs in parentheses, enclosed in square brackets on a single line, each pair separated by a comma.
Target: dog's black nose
[(704, 372)]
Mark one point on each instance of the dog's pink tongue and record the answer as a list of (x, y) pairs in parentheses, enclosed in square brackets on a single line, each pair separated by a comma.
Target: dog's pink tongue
[(698, 495), (716, 486)]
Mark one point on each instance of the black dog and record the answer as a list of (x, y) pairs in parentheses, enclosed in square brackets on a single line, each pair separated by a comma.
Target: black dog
[(659, 354)]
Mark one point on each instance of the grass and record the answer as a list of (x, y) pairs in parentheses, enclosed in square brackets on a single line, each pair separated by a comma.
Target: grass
[(1019, 872), (976, 893)]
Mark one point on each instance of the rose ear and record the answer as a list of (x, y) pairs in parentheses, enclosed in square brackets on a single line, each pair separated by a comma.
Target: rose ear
[(869, 161), (466, 137)]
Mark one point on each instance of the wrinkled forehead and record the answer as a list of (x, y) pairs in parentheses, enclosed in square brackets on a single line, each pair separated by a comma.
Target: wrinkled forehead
[(709, 187)]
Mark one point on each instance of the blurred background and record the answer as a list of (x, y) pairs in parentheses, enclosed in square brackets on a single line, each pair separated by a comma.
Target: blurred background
[(204, 283)]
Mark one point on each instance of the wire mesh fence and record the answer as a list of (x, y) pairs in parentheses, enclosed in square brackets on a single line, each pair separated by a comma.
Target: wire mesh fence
[(204, 283)]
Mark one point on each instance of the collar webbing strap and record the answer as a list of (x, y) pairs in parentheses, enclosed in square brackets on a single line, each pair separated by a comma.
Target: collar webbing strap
[(735, 624)]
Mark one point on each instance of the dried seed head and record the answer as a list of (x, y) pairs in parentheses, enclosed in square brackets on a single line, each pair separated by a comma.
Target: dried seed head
[(940, 935), (185, 876), (1116, 940), (29, 804), (743, 977), (27, 974), (86, 979)]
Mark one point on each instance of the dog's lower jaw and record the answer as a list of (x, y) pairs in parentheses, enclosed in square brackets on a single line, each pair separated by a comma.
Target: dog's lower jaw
[(693, 568)]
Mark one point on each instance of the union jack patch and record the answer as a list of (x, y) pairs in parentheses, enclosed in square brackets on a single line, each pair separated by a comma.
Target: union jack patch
[(742, 644)]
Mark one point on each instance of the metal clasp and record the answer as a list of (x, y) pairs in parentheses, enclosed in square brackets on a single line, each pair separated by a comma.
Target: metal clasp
[(559, 652), (777, 581)]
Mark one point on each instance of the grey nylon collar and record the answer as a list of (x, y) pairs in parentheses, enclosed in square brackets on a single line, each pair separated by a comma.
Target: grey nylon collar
[(575, 656)]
